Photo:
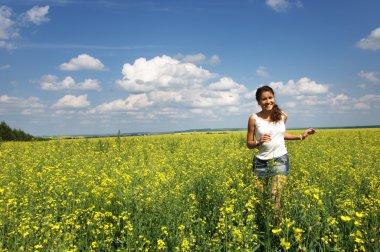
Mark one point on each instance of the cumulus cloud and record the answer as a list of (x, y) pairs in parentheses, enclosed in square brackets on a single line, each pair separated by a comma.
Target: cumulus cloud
[(199, 58), (262, 72), (162, 73), (361, 106), (341, 98), (366, 102), (7, 28), (10, 25), (227, 84), (52, 83), (5, 67), (72, 101), (12, 105), (36, 15), (83, 62), (370, 76), (133, 102), (303, 86), (283, 5), (174, 88), (371, 42)]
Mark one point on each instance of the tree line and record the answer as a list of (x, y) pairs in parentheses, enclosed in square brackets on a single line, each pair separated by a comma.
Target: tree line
[(9, 134)]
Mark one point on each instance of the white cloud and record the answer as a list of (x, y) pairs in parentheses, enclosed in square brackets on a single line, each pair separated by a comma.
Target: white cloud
[(10, 27), (303, 86), (36, 15), (283, 5), (361, 106), (341, 98), (199, 58), (227, 84), (71, 101), (5, 67), (262, 72), (52, 83), (83, 62), (372, 42), (369, 98), (7, 28), (11, 104), (175, 89), (370, 76), (161, 73), (133, 102)]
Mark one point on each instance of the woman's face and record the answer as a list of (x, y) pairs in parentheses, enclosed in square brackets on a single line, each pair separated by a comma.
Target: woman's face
[(266, 101)]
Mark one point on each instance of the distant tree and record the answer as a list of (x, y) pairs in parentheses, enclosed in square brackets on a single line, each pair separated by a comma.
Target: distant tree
[(9, 134)]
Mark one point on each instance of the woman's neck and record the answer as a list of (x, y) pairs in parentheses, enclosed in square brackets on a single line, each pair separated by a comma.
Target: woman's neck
[(265, 114)]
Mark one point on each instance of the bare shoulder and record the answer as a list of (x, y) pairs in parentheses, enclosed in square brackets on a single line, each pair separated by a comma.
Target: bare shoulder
[(251, 120), (284, 116), (252, 117)]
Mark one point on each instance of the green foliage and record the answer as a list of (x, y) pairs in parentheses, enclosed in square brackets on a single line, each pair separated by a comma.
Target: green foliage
[(191, 192), (9, 134)]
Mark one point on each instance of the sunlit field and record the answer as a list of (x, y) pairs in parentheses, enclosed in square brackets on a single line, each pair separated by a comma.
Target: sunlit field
[(190, 192)]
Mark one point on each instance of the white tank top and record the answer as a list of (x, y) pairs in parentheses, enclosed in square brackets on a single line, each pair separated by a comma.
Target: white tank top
[(274, 148)]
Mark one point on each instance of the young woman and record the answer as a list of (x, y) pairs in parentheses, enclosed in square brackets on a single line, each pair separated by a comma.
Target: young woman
[(267, 132)]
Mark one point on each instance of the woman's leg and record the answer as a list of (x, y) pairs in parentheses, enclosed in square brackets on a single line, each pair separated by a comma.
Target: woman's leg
[(277, 187)]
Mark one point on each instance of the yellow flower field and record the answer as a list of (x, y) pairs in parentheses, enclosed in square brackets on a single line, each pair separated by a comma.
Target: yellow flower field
[(188, 192)]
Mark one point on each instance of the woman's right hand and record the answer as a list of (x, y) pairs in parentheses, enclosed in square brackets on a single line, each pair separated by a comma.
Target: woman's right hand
[(264, 138)]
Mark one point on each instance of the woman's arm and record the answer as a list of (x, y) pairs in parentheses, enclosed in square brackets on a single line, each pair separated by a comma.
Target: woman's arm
[(251, 143), (251, 133), (302, 136)]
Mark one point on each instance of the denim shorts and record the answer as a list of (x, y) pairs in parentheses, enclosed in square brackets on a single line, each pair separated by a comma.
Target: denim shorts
[(271, 167)]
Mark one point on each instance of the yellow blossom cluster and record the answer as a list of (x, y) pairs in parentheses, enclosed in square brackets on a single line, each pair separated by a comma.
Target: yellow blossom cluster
[(189, 192)]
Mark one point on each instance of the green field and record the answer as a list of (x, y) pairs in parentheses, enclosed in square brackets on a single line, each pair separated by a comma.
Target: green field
[(188, 192)]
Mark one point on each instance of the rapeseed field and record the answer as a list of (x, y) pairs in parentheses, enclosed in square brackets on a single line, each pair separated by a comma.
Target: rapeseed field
[(190, 192)]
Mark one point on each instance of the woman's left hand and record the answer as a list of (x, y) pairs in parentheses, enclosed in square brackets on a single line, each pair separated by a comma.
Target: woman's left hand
[(308, 132)]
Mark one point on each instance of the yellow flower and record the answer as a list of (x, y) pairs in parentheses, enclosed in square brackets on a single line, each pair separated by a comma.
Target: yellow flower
[(181, 227), (358, 240), (345, 218), (94, 245), (285, 244), (161, 244), (298, 230), (359, 215), (185, 245), (164, 230), (276, 231)]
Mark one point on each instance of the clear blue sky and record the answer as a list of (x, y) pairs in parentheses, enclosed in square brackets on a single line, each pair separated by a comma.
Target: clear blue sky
[(93, 67)]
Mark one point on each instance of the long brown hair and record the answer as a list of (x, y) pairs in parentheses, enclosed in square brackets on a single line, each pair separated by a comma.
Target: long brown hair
[(276, 113)]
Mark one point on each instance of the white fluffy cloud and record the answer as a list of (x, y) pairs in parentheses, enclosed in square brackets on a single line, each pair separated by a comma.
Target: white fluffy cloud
[(199, 58), (133, 102), (10, 26), (303, 86), (283, 5), (7, 28), (5, 67), (174, 88), (52, 83), (372, 41), (37, 15), (11, 104), (262, 72), (72, 101), (161, 73), (83, 62), (370, 76)]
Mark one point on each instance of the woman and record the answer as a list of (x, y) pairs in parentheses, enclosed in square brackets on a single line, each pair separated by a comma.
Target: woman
[(267, 132)]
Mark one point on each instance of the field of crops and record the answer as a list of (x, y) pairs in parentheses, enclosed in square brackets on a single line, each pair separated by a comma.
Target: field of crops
[(191, 192)]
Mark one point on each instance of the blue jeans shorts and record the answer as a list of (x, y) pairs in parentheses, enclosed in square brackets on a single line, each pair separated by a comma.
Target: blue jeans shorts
[(271, 167)]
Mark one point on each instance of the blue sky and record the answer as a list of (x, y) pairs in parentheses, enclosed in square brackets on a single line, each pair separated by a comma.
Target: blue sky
[(93, 67)]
